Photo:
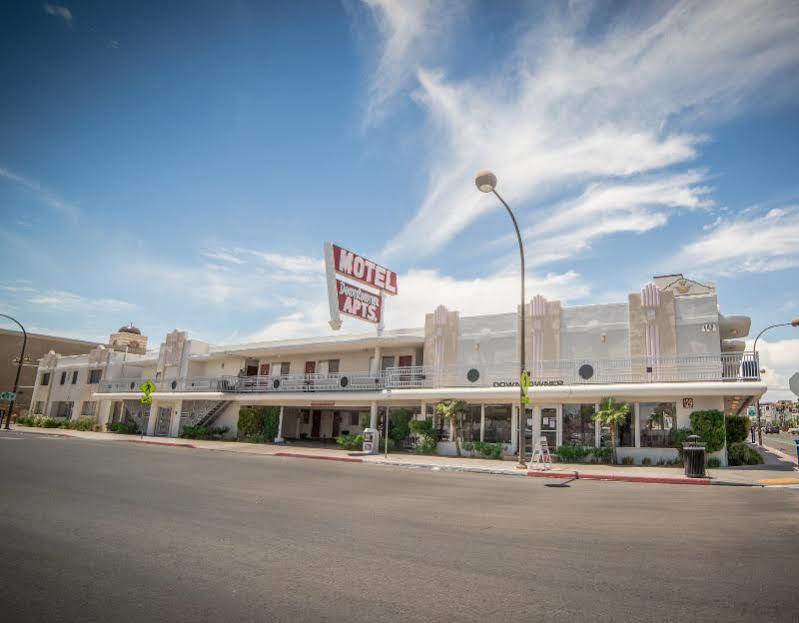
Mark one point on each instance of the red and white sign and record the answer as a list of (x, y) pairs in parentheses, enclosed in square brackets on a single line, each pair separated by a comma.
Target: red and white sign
[(357, 302), (366, 271)]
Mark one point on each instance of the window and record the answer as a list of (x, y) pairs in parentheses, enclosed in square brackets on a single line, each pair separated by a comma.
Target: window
[(284, 368), (94, 376), (498, 423), (624, 432), (64, 409), (332, 366), (355, 419), (63, 377), (386, 362), (89, 408), (549, 425), (39, 407), (578, 425), (46, 378), (470, 423), (74, 377), (657, 420)]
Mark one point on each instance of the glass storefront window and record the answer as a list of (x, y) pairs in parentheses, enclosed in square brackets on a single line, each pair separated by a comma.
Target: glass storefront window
[(470, 423), (549, 425), (625, 437), (498, 420), (657, 420), (578, 425)]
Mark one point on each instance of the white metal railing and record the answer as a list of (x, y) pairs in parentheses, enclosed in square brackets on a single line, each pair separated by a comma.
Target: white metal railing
[(666, 369)]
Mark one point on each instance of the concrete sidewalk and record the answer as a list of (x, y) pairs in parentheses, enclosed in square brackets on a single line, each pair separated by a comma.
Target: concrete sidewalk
[(752, 476)]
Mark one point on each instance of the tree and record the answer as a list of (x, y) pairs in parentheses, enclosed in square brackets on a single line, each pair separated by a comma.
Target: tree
[(611, 414), (451, 409)]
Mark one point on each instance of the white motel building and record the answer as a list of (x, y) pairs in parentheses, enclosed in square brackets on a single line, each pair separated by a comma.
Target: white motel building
[(666, 350)]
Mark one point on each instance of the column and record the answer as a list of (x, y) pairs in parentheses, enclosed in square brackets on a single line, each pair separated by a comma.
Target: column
[(482, 422), (376, 361), (636, 426), (103, 412), (153, 418), (279, 438), (514, 429), (559, 436), (424, 411), (373, 414), (536, 424)]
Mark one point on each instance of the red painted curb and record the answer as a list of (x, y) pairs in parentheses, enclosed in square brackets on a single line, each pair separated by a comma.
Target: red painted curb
[(158, 443), (546, 474), (653, 479), (298, 455)]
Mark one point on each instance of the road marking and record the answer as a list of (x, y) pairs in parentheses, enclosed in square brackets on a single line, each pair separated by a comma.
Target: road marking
[(779, 481)]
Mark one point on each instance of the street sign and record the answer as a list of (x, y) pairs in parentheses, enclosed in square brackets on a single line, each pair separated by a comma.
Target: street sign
[(751, 411), (793, 383), (10, 396)]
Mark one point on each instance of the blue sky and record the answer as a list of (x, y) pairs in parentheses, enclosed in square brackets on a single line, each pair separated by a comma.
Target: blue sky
[(181, 165)]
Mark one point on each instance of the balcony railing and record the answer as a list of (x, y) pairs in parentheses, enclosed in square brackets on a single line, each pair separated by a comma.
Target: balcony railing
[(667, 369)]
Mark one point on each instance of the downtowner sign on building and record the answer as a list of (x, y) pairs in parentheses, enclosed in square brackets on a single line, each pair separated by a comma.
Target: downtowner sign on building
[(666, 350)]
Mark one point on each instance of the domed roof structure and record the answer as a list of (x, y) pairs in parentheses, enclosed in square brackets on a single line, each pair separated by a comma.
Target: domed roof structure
[(129, 329)]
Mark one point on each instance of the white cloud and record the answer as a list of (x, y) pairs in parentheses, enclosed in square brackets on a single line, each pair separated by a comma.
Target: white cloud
[(567, 111), (45, 196), (58, 11), (409, 31), (290, 264), (422, 292), (62, 300), (750, 242), (222, 256), (780, 359)]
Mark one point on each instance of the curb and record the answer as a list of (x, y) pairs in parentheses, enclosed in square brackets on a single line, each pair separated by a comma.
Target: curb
[(174, 444), (319, 457)]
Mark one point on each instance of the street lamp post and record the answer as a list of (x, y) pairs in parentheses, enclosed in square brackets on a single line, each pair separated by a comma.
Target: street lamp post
[(792, 323), (19, 368), (486, 182)]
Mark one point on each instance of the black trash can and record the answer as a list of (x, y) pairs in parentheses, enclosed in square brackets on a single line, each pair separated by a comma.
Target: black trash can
[(694, 453)]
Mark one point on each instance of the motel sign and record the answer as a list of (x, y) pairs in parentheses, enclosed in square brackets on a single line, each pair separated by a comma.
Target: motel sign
[(351, 299)]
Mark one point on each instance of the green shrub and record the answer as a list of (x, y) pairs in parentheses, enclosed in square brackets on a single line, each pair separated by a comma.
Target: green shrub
[(646, 461), (24, 420), (741, 454), (737, 428), (81, 423), (576, 454), (391, 444), (714, 462), (350, 442), (49, 422), (258, 423), (125, 428), (709, 425), (627, 460), (488, 449), (203, 432), (427, 437), (399, 425)]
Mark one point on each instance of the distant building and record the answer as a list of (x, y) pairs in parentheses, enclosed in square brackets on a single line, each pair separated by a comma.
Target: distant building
[(127, 339), (37, 347)]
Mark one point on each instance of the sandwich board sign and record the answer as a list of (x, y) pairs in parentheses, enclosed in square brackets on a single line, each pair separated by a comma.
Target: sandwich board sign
[(343, 267)]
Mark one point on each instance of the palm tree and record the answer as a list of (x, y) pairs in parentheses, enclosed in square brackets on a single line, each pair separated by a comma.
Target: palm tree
[(612, 414), (451, 409)]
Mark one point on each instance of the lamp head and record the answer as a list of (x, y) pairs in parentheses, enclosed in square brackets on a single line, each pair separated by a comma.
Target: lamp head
[(486, 182), (795, 322)]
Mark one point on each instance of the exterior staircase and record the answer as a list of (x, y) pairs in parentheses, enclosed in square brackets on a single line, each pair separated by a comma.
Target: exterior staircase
[(213, 413)]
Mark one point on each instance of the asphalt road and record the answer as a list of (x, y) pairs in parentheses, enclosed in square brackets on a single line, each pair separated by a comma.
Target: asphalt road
[(781, 441), (116, 531)]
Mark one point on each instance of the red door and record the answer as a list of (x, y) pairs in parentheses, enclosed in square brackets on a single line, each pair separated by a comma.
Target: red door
[(264, 369), (405, 361), (310, 367), (315, 423)]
